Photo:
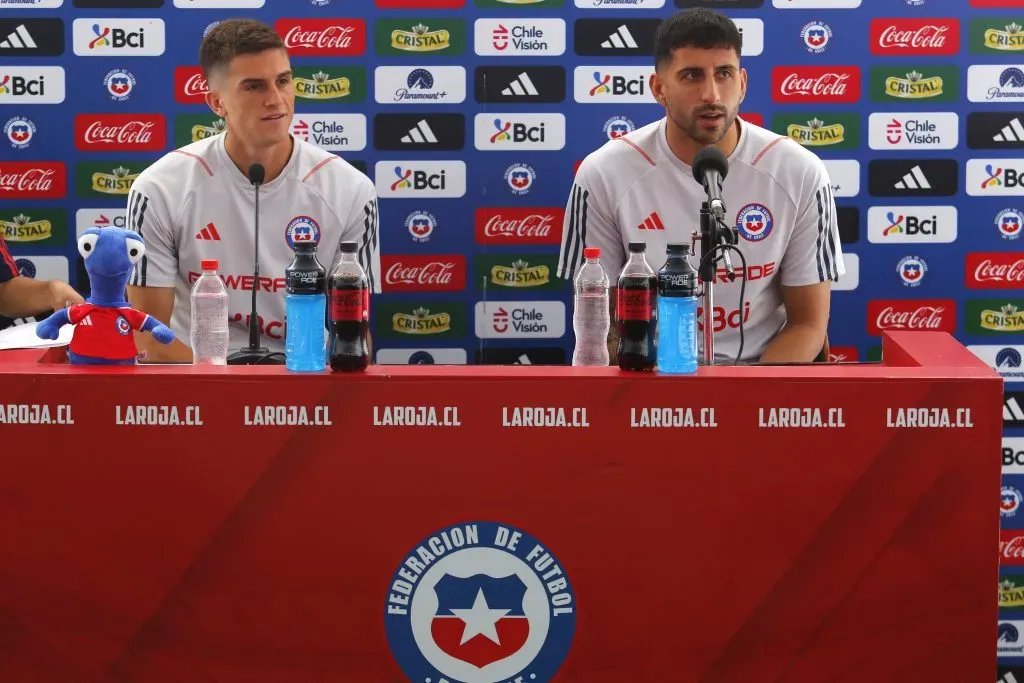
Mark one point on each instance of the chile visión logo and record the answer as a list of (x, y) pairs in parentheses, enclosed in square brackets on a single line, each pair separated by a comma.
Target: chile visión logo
[(480, 602)]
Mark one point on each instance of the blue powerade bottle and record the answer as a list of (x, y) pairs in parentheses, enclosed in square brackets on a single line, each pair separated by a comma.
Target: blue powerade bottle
[(677, 313), (305, 345)]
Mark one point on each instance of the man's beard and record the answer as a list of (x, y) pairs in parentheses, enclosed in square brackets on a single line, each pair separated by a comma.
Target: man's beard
[(692, 128)]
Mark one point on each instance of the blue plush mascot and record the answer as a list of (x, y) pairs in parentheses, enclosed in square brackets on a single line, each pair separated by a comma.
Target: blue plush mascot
[(104, 323)]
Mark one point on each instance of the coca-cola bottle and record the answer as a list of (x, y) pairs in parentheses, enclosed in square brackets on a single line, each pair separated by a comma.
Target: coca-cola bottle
[(636, 312), (350, 313)]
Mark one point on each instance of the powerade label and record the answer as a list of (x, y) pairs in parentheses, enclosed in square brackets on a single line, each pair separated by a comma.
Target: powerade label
[(305, 281), (633, 304), (350, 304)]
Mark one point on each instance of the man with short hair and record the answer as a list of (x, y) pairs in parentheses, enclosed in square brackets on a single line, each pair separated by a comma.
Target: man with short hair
[(197, 203), (640, 187)]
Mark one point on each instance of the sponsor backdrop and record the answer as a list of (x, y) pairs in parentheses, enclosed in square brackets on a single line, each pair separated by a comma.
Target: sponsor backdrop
[(470, 116)]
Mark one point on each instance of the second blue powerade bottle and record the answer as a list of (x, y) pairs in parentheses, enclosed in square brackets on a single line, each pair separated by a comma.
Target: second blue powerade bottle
[(677, 313), (305, 342)]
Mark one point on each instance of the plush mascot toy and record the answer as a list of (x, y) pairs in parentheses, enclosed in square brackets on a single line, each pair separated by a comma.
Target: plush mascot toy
[(104, 323)]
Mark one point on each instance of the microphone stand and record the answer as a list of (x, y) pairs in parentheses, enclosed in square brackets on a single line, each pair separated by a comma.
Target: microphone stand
[(712, 234), (254, 354)]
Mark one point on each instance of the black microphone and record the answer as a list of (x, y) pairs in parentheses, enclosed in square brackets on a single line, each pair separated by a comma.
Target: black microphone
[(709, 169), (254, 353)]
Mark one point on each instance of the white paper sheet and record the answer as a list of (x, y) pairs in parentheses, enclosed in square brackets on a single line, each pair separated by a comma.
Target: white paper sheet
[(24, 337)]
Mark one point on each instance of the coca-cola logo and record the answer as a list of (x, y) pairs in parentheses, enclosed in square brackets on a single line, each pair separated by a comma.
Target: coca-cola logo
[(120, 131), (825, 84), (433, 273), (196, 85), (33, 180), (816, 84), (921, 318), (331, 37), (926, 36), (534, 225), (190, 86), (995, 271), (519, 226), (424, 273), (912, 316), (1011, 547), (28, 179), (323, 36), (132, 133), (915, 36)]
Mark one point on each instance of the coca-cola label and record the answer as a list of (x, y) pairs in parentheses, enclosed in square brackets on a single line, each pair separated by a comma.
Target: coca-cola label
[(190, 86), (406, 273), (508, 225), (350, 304), (816, 83), (995, 270), (911, 315), (33, 179), (633, 304), (121, 132), (1011, 547), (323, 36), (929, 36)]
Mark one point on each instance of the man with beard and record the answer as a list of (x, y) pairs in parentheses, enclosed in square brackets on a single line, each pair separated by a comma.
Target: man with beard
[(640, 188)]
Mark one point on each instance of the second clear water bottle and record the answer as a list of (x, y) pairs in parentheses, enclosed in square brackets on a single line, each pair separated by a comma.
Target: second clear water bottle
[(590, 315), (305, 343), (677, 313), (208, 330)]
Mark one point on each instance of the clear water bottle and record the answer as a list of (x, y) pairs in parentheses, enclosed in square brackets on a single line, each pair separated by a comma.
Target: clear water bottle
[(305, 301), (209, 329), (677, 313), (590, 317)]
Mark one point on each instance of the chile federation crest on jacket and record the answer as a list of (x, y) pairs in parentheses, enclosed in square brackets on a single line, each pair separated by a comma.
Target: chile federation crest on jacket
[(480, 602)]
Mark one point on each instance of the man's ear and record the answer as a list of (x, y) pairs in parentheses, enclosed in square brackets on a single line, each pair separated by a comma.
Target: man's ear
[(214, 101)]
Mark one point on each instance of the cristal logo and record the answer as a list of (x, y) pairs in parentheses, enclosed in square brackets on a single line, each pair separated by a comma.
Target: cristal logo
[(928, 36), (534, 225), (332, 37), (921, 318), (32, 180), (832, 84), (132, 133), (987, 271), (196, 85), (433, 273)]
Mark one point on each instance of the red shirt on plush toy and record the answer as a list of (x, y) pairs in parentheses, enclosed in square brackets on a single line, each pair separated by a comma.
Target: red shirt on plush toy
[(105, 332)]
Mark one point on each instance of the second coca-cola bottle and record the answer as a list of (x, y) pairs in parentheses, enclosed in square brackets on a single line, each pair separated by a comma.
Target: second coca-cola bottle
[(636, 312), (349, 291)]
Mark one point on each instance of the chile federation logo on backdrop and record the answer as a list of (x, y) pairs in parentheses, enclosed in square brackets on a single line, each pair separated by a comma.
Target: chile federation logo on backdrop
[(754, 221), (480, 602)]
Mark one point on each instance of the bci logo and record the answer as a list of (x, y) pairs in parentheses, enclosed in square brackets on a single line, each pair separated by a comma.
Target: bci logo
[(22, 86), (424, 179), (622, 84), (912, 224)]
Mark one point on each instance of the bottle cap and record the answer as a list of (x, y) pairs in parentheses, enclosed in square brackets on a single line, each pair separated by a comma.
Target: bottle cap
[(592, 252), (676, 248), (209, 264), (638, 247), (349, 247), (305, 247)]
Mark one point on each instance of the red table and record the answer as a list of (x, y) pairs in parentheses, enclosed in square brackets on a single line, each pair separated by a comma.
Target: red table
[(365, 552)]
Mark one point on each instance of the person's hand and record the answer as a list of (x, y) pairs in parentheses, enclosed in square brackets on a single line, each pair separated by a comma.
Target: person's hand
[(63, 295)]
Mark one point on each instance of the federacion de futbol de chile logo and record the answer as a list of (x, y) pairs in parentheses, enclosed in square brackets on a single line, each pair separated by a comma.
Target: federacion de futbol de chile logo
[(480, 602)]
